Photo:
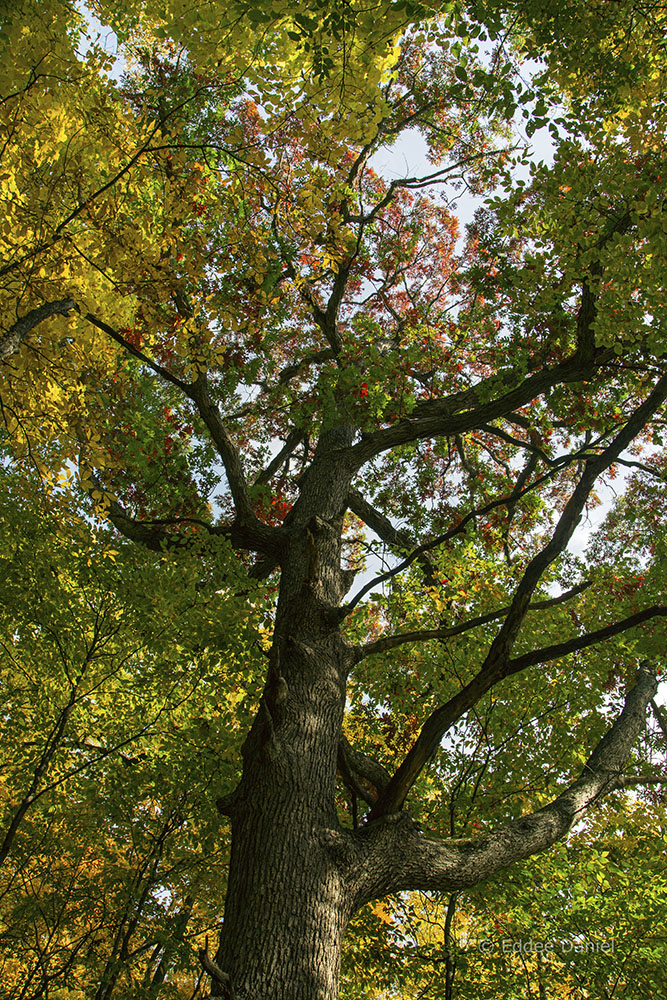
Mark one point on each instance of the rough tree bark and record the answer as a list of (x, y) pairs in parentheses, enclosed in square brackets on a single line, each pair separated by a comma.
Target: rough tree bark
[(296, 877), (288, 904)]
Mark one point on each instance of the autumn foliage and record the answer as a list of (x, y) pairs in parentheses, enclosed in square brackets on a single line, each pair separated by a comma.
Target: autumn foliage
[(332, 398)]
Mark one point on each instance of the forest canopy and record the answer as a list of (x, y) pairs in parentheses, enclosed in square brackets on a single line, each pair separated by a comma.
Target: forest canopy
[(332, 536)]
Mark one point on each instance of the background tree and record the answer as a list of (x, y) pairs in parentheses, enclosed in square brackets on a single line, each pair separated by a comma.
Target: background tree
[(229, 341)]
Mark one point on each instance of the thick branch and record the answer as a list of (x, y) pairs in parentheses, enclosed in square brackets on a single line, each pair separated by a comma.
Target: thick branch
[(632, 781), (578, 642), (439, 722), (221, 981), (354, 787), (569, 519), (358, 762), (153, 534), (499, 395), (256, 535), (14, 337), (294, 438), (397, 857), (494, 397), (497, 662), (150, 534), (290, 371), (263, 537)]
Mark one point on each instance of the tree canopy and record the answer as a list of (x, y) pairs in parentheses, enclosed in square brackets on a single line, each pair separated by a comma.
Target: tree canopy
[(333, 524)]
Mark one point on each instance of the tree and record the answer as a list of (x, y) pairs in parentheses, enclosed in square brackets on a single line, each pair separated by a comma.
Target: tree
[(122, 718), (586, 918), (229, 341)]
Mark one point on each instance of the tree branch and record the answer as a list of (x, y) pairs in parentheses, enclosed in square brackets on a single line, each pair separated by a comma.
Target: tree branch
[(222, 982), (440, 721), (294, 438), (139, 355), (660, 718), (395, 856), (511, 498), (261, 537), (567, 523), (13, 338), (494, 397), (423, 635), (497, 396), (395, 538), (573, 645), (288, 373), (631, 781), (497, 662), (145, 533), (358, 762), (256, 534), (152, 534)]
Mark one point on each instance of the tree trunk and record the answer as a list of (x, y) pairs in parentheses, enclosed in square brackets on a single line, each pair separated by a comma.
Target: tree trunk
[(296, 877), (287, 903), (287, 906), (286, 910)]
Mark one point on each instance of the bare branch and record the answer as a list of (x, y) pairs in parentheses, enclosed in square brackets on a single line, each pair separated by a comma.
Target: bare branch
[(633, 781), (220, 978), (417, 183)]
